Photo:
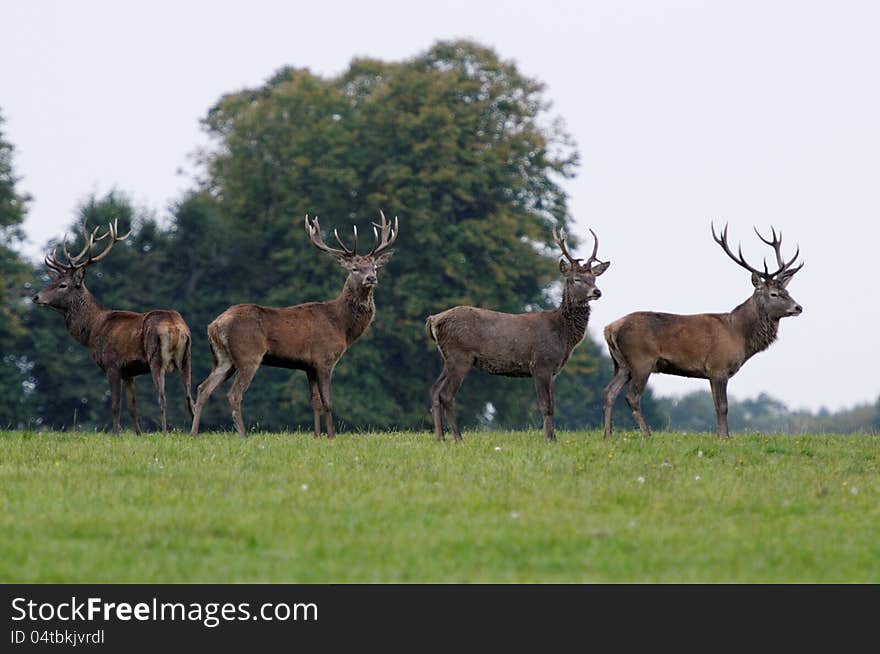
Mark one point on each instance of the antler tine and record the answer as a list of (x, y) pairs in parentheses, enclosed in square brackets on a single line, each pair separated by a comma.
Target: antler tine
[(348, 252), (560, 241), (114, 238), (593, 256), (740, 260), (52, 263), (313, 229), (385, 236), (776, 244), (89, 241)]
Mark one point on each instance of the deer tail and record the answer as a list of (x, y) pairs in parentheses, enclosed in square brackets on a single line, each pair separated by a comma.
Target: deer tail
[(610, 334), (430, 330)]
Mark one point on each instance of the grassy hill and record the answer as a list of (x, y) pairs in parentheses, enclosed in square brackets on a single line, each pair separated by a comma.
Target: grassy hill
[(399, 507)]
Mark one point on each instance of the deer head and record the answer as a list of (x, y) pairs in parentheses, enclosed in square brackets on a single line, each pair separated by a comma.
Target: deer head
[(770, 293), (580, 278), (363, 269), (67, 283)]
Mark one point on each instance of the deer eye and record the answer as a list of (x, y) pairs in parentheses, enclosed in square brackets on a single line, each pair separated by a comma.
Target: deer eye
[(62, 285), (774, 294)]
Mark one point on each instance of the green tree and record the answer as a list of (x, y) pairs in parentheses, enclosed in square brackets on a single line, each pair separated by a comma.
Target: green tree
[(14, 276), (455, 141), (70, 390)]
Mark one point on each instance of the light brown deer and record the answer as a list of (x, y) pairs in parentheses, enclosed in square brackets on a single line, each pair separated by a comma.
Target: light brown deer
[(711, 346), (533, 345), (124, 344), (310, 337)]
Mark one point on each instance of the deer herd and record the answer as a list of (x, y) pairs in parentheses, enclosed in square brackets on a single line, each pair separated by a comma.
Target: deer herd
[(313, 336)]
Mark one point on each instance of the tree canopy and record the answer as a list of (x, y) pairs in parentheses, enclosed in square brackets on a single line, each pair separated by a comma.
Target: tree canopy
[(456, 141), (14, 276)]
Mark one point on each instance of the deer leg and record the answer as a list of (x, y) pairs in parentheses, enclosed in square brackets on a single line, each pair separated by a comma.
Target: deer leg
[(621, 377), (241, 381), (317, 405), (436, 406), (456, 372), (115, 381), (158, 374), (132, 403), (634, 399), (185, 370), (324, 380), (221, 372), (719, 395), (544, 386)]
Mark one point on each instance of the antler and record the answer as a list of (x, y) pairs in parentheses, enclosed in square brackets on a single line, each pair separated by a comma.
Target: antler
[(560, 241), (313, 229), (74, 262), (784, 270), (383, 235)]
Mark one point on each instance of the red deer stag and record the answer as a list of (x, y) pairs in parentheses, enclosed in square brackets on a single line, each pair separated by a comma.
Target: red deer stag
[(124, 344), (310, 337), (709, 346), (533, 345)]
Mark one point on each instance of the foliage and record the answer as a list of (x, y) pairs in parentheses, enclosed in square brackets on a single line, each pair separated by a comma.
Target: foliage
[(14, 275), (453, 141), (695, 412), (399, 507)]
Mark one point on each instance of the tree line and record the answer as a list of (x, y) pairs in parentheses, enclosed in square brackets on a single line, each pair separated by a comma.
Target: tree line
[(456, 141)]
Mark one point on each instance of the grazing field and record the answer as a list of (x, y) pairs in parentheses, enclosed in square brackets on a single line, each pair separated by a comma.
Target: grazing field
[(399, 507)]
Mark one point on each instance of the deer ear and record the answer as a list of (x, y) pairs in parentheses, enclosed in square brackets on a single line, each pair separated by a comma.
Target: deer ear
[(343, 261), (383, 258), (78, 276), (757, 282), (783, 281), (564, 266), (599, 269)]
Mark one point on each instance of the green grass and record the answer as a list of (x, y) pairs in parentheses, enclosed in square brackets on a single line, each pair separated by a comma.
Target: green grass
[(399, 507)]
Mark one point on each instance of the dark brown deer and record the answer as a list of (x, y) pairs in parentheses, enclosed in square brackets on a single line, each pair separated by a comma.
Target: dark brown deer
[(310, 337), (124, 344), (711, 346), (533, 345)]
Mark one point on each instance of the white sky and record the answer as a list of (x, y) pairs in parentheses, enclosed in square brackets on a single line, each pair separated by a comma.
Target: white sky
[(746, 111)]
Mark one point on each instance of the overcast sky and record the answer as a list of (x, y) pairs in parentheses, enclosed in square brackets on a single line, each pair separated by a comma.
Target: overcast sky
[(747, 112)]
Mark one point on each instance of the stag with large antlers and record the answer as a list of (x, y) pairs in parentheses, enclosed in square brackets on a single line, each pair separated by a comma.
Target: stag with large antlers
[(310, 337), (711, 346), (533, 345), (124, 344)]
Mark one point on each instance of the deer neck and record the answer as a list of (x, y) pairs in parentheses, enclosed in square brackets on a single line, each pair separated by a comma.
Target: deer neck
[(757, 328), (573, 319), (357, 308), (82, 316)]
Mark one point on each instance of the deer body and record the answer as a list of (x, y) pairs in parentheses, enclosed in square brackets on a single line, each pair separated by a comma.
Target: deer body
[(702, 345), (711, 346), (310, 337), (534, 345), (511, 345), (123, 344)]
